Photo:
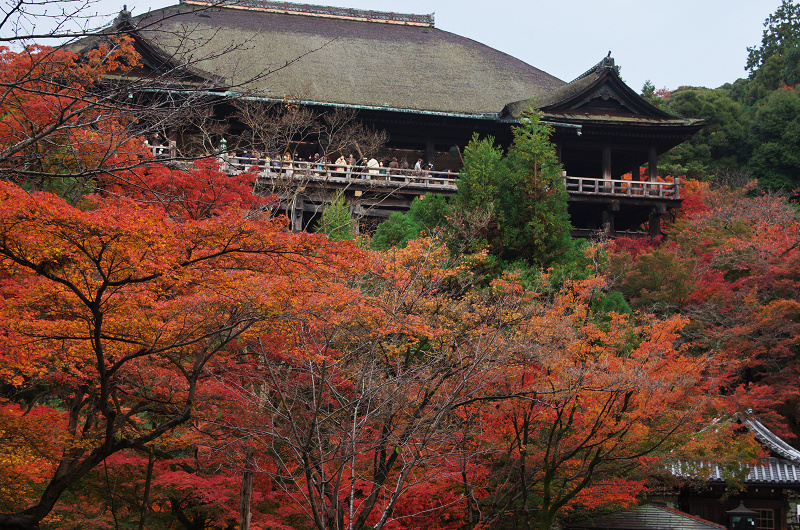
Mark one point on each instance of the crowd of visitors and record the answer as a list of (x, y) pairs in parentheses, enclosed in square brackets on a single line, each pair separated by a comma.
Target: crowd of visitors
[(363, 168)]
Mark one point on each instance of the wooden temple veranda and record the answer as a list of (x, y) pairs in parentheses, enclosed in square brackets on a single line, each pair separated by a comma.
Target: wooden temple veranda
[(428, 89), (304, 189)]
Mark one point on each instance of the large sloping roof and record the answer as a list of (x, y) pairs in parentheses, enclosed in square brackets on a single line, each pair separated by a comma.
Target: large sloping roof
[(342, 60)]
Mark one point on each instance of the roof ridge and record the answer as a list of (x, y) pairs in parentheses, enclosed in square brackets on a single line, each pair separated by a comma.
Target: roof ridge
[(346, 13), (605, 62), (773, 442)]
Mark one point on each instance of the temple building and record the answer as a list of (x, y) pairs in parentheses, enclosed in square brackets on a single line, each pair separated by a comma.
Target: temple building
[(771, 492), (430, 90)]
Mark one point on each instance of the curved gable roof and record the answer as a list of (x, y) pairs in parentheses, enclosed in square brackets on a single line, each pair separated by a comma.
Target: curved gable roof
[(776, 445), (597, 95), (342, 60)]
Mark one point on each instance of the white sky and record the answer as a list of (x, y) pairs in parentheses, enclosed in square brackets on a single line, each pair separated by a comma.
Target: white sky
[(670, 42)]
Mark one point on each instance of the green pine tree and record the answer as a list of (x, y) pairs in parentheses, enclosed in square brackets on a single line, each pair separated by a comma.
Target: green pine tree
[(336, 221)]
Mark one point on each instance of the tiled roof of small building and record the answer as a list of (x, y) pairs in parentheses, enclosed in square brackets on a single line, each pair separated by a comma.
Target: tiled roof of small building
[(647, 517), (774, 471), (782, 468), (345, 60)]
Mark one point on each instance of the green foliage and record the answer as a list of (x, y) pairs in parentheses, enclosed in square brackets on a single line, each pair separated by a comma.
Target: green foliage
[(429, 212), (658, 281), (613, 302), (721, 143), (336, 221), (782, 32), (737, 90), (652, 95), (424, 216), (394, 232), (483, 174), (791, 66), (534, 221), (775, 135), (765, 80), (648, 90)]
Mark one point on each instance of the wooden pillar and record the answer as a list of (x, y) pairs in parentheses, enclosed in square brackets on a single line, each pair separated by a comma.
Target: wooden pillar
[(173, 142), (356, 213), (297, 214), (654, 223), (606, 162), (652, 162), (430, 150), (608, 221), (608, 217), (636, 186)]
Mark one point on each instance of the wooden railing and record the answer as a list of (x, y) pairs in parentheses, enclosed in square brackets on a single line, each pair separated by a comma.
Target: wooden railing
[(307, 171), (336, 173), (161, 151), (592, 186)]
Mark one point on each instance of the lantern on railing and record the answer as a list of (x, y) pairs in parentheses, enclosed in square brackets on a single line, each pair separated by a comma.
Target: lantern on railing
[(742, 518)]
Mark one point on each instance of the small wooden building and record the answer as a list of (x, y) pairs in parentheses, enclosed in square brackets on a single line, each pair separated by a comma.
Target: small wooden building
[(772, 487)]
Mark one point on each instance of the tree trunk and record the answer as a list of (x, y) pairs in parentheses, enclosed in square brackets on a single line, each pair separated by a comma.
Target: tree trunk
[(247, 490), (146, 498)]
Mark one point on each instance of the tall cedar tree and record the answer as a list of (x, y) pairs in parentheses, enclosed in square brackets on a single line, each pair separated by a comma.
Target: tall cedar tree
[(534, 221), (524, 191), (781, 34)]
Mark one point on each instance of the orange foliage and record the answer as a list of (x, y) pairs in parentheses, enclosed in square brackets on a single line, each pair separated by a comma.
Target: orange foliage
[(117, 313), (52, 123)]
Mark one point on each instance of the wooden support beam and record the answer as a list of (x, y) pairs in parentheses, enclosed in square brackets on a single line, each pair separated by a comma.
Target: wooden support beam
[(608, 221), (654, 223), (297, 214), (652, 162)]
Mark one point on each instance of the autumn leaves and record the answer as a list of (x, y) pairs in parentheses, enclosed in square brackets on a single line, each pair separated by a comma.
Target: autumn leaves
[(165, 336)]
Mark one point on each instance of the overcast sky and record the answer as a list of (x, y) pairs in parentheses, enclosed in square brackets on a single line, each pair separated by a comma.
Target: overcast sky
[(670, 42)]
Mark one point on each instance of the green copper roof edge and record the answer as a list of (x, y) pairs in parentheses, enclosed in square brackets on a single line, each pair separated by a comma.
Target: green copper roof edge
[(484, 116)]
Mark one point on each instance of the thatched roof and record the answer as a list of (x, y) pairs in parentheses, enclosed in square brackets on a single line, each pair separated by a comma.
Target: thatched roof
[(338, 59)]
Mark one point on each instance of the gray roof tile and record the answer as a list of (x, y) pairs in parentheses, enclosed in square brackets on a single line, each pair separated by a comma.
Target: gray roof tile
[(783, 468), (647, 517)]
